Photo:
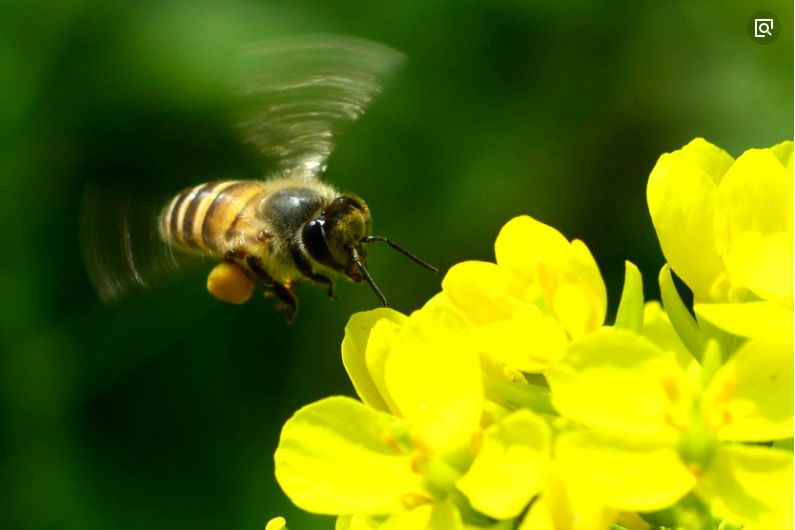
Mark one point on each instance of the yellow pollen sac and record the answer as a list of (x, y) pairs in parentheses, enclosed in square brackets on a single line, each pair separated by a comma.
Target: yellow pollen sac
[(391, 442), (419, 460), (400, 444), (719, 414), (228, 282), (674, 420), (671, 389), (412, 500)]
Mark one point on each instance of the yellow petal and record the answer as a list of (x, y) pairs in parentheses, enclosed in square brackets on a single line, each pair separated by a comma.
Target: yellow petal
[(441, 515), (332, 459), (358, 522), (581, 281), (567, 504), (754, 195), (379, 348), (658, 329), (433, 375), (525, 244), (750, 485), (485, 292), (624, 475), (510, 466), (762, 264), (783, 152), (749, 319), (681, 197), (354, 346), (615, 381), (528, 342), (709, 158), (750, 398)]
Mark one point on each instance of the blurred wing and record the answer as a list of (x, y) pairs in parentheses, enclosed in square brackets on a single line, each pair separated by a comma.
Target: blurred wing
[(301, 94), (120, 244)]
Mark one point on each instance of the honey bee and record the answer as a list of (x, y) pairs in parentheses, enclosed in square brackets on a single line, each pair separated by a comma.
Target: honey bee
[(299, 96)]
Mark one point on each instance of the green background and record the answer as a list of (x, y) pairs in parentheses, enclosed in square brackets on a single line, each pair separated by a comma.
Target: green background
[(164, 411)]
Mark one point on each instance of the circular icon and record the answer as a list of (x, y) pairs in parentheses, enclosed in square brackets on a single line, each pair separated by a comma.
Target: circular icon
[(764, 27)]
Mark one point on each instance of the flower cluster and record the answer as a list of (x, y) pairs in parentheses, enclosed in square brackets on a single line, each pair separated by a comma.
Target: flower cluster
[(507, 401)]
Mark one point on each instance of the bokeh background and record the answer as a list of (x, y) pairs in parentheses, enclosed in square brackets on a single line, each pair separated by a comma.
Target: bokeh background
[(164, 411)]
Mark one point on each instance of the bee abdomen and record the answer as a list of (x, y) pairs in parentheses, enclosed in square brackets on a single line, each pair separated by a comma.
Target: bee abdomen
[(199, 217)]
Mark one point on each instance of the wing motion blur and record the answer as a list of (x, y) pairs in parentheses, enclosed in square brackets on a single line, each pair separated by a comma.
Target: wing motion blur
[(300, 95), (120, 244)]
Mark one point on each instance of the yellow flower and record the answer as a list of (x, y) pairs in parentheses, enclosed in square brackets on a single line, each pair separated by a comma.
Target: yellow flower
[(656, 432), (413, 453), (341, 456), (542, 291), (726, 228)]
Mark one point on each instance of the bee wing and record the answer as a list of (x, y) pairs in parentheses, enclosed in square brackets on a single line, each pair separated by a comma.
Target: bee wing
[(299, 95), (120, 244)]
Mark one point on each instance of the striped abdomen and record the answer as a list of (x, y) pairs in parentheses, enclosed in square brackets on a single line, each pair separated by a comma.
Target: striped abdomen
[(203, 218)]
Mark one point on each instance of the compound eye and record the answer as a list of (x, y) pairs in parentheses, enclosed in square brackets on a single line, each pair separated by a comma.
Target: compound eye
[(313, 236)]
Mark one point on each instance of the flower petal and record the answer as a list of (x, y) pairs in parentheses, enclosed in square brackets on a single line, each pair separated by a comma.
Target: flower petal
[(750, 398), (783, 151), (754, 195), (615, 381), (748, 319), (709, 158), (379, 348), (485, 292), (433, 375), (566, 504), (441, 515), (354, 346), (528, 342), (681, 194), (524, 245), (332, 459), (509, 468), (762, 264), (624, 475), (658, 329), (750, 485), (581, 299)]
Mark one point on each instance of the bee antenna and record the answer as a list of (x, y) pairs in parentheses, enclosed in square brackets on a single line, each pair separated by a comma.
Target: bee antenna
[(412, 257), (373, 286)]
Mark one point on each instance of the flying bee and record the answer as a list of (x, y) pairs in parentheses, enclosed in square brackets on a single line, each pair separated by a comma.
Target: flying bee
[(298, 97)]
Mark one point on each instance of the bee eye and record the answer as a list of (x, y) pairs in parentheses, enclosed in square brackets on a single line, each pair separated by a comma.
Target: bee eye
[(323, 213)]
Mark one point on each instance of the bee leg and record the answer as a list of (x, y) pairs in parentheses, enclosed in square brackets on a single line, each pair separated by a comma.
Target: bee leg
[(286, 299), (285, 296), (306, 270)]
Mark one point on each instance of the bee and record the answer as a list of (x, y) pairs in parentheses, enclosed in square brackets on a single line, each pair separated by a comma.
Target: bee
[(299, 96)]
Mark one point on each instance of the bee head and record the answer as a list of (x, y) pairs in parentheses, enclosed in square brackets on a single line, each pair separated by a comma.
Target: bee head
[(334, 237), (337, 236)]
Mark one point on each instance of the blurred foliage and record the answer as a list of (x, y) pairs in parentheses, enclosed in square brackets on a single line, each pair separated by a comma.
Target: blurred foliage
[(164, 411)]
